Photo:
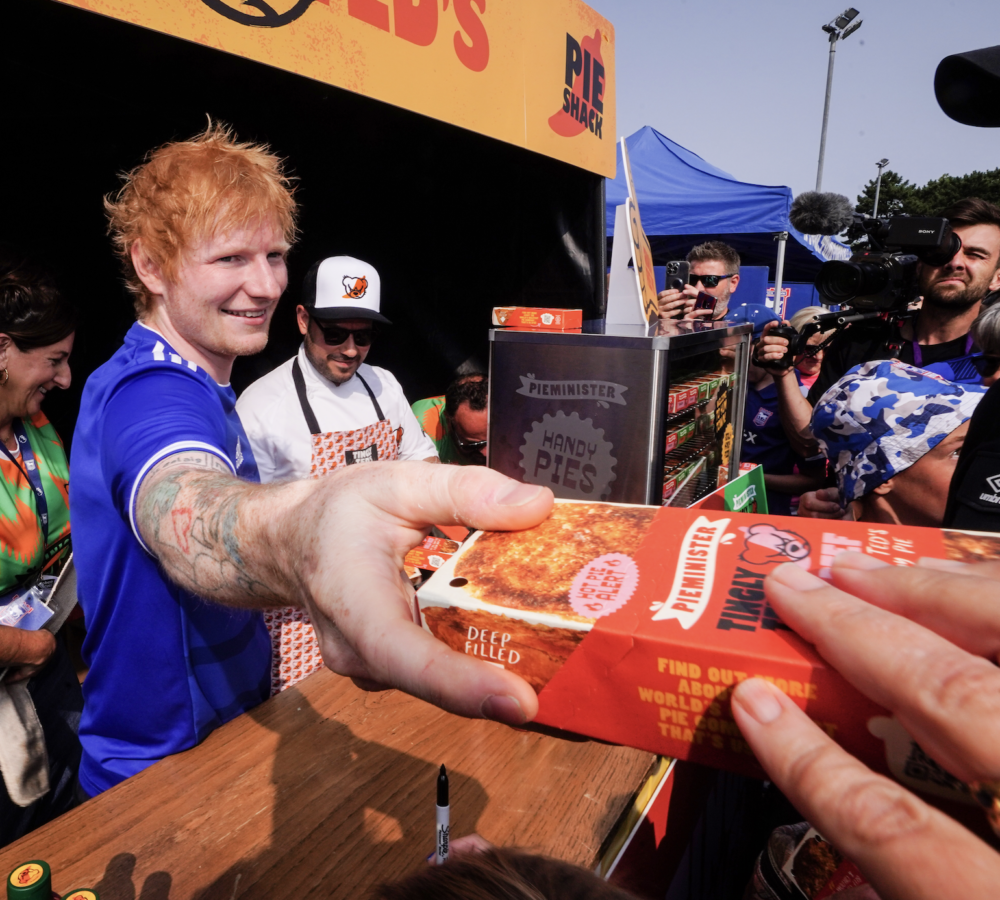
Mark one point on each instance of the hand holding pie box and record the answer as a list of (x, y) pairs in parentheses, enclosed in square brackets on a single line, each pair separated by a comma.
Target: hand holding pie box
[(634, 623)]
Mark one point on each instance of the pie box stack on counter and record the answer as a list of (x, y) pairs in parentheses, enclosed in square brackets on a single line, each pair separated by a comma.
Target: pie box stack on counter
[(536, 317), (633, 624)]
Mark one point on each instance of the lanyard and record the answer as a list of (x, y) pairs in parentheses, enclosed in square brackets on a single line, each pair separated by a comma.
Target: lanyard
[(918, 357), (34, 477), (300, 388)]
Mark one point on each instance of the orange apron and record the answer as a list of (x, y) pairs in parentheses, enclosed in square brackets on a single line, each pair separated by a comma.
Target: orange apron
[(294, 648)]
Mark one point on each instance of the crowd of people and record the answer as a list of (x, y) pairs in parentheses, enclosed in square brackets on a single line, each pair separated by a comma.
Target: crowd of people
[(204, 534)]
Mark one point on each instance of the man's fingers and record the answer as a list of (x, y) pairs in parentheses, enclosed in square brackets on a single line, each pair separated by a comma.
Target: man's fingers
[(417, 494), (454, 681), (947, 699), (961, 604), (904, 847)]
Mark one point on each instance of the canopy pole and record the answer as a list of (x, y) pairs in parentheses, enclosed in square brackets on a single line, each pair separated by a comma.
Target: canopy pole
[(779, 270)]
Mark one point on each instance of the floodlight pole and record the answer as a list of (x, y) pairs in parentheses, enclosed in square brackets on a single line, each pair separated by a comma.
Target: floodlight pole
[(882, 163), (834, 35), (841, 27)]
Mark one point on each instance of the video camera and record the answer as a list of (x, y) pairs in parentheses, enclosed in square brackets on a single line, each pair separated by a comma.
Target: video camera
[(880, 282), (884, 277)]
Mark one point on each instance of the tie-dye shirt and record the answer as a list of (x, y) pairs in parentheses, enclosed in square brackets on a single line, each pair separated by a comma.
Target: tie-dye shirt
[(22, 547)]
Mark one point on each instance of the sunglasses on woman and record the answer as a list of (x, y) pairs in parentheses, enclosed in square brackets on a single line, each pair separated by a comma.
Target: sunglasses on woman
[(334, 335), (710, 281)]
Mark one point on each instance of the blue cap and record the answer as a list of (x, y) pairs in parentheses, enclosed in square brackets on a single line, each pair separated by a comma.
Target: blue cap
[(883, 416), (756, 314)]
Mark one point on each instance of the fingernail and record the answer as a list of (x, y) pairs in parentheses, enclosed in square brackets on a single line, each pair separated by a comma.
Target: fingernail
[(948, 565), (848, 559), (517, 494), (793, 576), (759, 699), (503, 708)]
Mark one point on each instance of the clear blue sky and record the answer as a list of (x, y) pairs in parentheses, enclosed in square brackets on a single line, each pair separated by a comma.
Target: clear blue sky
[(742, 83)]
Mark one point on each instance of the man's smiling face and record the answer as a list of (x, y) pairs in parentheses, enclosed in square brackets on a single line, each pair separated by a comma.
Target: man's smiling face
[(225, 289)]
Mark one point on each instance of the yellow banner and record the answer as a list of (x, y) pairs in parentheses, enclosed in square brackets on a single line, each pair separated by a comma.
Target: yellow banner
[(535, 73)]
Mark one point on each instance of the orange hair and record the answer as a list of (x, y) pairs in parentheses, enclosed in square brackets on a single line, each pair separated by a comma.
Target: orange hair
[(189, 190)]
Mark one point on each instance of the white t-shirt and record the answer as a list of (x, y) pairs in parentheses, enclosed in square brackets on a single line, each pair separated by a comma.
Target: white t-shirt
[(272, 416)]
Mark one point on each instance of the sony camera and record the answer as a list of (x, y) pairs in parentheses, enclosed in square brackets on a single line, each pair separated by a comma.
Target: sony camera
[(884, 278)]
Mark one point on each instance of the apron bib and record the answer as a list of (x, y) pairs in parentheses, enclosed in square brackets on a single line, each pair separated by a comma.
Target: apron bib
[(294, 648)]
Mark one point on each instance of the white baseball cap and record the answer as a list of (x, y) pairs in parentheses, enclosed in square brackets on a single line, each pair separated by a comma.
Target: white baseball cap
[(342, 287)]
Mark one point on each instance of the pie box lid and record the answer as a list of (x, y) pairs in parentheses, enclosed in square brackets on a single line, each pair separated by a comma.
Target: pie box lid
[(656, 664)]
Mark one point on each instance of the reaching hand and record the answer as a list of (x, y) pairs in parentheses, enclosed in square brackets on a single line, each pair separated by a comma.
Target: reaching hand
[(923, 642), (822, 504), (356, 529)]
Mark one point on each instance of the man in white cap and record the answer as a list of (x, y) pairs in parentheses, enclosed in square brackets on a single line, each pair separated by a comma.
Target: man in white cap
[(324, 409)]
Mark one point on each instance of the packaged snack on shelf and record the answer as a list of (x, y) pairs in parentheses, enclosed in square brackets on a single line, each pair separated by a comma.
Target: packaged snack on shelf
[(678, 435), (635, 623), (536, 317), (680, 397)]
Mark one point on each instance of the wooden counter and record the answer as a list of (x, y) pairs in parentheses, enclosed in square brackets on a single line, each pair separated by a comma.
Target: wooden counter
[(326, 790)]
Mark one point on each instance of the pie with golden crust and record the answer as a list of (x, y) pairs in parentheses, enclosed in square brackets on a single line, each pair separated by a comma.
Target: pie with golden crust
[(533, 570)]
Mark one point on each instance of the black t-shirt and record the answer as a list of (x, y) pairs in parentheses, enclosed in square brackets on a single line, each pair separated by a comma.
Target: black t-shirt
[(863, 342), (974, 495)]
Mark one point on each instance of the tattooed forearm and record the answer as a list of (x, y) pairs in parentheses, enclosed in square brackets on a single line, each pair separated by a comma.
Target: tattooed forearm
[(204, 526)]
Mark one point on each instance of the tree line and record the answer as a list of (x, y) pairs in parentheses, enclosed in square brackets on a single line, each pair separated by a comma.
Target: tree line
[(898, 196)]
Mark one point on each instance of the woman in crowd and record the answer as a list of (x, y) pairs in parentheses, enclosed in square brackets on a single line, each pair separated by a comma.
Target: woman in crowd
[(36, 338)]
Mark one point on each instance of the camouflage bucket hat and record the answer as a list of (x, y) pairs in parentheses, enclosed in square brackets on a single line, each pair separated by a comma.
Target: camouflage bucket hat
[(882, 417)]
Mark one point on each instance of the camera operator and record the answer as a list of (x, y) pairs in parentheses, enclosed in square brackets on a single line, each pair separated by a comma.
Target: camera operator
[(776, 414), (937, 337)]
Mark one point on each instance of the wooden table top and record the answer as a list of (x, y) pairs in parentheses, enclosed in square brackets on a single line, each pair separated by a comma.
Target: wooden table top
[(325, 791)]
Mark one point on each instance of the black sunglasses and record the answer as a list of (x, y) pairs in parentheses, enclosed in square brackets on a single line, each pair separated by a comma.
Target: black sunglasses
[(334, 335), (469, 446), (709, 281)]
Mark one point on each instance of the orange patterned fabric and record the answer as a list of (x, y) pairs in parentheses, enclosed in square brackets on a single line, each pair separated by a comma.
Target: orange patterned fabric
[(294, 648), (329, 451)]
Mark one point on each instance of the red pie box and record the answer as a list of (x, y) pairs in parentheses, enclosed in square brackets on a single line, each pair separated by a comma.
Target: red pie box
[(535, 317), (633, 624)]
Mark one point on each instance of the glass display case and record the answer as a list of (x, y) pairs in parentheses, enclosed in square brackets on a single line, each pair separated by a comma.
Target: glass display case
[(628, 414)]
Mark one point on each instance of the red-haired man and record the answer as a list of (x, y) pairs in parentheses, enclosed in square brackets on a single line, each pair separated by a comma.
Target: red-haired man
[(178, 546)]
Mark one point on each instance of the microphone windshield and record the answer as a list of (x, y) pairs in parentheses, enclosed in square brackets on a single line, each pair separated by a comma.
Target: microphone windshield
[(816, 213)]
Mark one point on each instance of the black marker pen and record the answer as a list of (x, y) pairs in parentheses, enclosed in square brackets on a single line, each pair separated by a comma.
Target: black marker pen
[(443, 810)]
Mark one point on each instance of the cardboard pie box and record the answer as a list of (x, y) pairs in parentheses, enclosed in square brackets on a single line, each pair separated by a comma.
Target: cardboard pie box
[(431, 553), (536, 317), (634, 623)]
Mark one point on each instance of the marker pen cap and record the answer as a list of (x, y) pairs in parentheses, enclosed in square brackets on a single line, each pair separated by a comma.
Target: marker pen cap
[(30, 881), (82, 894)]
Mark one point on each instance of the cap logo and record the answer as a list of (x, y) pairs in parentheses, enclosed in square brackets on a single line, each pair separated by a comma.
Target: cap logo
[(355, 287)]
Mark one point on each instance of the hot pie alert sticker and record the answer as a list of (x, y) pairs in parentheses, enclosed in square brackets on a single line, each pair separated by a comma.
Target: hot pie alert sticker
[(604, 585)]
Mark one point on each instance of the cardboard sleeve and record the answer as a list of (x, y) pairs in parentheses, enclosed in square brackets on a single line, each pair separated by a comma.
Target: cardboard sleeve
[(642, 641)]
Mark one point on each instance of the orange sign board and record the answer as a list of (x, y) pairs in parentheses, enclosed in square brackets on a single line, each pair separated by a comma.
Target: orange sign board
[(536, 74)]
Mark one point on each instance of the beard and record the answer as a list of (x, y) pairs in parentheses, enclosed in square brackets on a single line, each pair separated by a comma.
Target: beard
[(955, 300)]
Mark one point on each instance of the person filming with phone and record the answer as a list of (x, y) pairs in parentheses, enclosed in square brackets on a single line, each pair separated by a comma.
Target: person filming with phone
[(714, 276)]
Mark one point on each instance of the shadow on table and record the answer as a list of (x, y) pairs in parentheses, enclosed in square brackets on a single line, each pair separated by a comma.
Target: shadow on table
[(348, 813), (117, 881)]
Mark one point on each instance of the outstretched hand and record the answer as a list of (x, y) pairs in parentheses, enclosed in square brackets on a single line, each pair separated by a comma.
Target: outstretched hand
[(923, 642), (358, 527)]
